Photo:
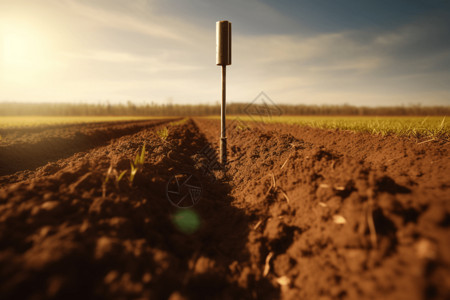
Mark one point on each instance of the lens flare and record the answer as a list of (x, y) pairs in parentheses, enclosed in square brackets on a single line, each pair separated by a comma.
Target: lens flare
[(186, 220)]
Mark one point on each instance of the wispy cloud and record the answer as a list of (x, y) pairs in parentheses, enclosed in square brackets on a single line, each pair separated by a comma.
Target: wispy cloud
[(122, 21), (349, 66), (135, 17), (144, 50)]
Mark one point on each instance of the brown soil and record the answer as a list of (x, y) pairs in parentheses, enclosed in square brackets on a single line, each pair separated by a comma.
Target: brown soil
[(25, 149), (299, 213)]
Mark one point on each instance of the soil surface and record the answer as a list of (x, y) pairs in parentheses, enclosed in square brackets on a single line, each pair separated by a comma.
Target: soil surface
[(25, 149), (297, 213)]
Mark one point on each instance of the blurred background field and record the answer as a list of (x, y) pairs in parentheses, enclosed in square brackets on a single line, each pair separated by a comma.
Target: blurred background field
[(233, 108), (423, 122), (431, 127), (8, 122)]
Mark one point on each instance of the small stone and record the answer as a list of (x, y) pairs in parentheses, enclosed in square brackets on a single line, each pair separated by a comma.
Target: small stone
[(84, 226), (426, 249), (177, 296), (47, 196), (104, 246), (44, 231), (283, 280), (338, 219), (49, 205), (146, 278), (111, 276), (203, 265)]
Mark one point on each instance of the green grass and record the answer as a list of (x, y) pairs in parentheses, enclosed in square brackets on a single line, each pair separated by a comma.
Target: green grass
[(418, 127), (33, 121)]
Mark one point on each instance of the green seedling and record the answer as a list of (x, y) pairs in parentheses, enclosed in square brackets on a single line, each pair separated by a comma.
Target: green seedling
[(118, 178), (163, 133), (242, 127), (134, 170), (112, 172), (137, 164), (105, 181)]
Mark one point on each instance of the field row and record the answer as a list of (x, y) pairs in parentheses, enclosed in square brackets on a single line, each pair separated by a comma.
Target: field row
[(436, 128)]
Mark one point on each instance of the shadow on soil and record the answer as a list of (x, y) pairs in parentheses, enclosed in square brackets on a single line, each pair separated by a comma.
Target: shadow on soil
[(206, 255)]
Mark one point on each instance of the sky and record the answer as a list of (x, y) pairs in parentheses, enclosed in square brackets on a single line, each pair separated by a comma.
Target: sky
[(357, 52)]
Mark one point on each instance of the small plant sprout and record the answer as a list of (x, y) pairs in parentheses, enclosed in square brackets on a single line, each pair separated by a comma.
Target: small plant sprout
[(112, 172), (105, 181), (134, 170), (242, 127), (119, 177), (163, 133), (137, 164)]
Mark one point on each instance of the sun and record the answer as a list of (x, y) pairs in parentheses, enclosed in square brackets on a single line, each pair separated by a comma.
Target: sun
[(25, 53), (21, 46)]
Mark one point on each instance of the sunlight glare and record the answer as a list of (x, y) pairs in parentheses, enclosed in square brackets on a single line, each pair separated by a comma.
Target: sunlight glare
[(25, 51)]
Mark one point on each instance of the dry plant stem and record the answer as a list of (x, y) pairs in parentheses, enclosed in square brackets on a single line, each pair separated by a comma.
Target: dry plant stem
[(394, 158), (273, 179), (257, 224), (286, 161), (371, 224), (430, 140), (285, 195), (267, 264), (272, 186)]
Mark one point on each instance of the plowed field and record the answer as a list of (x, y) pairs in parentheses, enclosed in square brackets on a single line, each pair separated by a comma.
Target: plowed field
[(298, 213)]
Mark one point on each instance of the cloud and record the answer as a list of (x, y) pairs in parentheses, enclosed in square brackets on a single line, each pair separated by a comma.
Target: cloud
[(401, 64), (123, 21), (137, 17), (143, 50)]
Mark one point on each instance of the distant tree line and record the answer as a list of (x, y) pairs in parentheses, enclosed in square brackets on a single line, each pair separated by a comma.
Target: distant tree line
[(130, 109)]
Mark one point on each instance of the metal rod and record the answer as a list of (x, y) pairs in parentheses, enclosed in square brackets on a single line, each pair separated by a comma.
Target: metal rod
[(223, 134)]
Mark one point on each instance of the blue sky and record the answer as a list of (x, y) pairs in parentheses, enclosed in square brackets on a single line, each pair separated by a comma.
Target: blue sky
[(300, 52)]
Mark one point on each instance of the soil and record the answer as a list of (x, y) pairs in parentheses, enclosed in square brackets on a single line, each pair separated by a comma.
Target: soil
[(298, 213), (24, 149)]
